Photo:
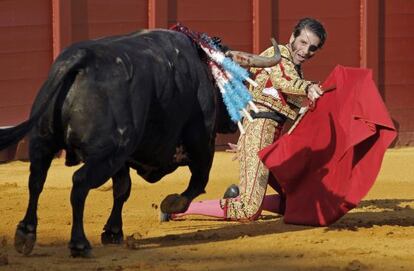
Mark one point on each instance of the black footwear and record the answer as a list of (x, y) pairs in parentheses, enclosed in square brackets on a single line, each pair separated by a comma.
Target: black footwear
[(231, 192)]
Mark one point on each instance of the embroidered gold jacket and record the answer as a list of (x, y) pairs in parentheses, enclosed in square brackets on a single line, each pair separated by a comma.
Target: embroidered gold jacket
[(281, 87)]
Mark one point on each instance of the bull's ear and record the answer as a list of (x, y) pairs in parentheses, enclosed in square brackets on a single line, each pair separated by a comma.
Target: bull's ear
[(219, 45), (216, 40)]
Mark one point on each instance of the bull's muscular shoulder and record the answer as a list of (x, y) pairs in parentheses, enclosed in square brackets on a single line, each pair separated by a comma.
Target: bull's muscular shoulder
[(144, 52), (137, 42)]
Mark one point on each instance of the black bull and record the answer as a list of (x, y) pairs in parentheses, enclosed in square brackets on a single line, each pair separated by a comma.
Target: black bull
[(118, 103)]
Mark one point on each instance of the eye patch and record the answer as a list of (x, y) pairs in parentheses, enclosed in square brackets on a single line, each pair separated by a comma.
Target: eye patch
[(313, 48)]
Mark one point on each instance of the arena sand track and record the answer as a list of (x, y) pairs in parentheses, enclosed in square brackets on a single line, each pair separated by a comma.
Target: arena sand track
[(379, 235)]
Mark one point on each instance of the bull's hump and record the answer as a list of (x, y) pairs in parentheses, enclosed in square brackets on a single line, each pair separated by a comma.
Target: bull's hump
[(154, 32)]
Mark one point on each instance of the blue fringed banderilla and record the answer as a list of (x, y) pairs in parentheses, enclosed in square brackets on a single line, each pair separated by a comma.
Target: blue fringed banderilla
[(229, 75)]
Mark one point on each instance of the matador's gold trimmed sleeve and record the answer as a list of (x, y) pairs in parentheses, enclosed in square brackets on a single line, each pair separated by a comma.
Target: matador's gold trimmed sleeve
[(295, 85)]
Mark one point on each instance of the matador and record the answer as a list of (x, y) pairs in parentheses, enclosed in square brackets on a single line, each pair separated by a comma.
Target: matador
[(279, 96)]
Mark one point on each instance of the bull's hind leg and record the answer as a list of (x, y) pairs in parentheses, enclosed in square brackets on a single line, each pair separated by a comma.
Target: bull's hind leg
[(113, 233), (41, 155), (91, 175)]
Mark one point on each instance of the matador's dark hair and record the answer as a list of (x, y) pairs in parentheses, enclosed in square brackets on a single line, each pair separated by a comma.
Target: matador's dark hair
[(313, 25)]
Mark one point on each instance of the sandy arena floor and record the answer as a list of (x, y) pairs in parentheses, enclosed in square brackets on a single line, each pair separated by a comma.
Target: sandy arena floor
[(379, 235)]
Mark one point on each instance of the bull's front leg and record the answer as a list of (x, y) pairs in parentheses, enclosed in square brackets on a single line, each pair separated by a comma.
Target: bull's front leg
[(92, 174), (79, 244), (200, 149)]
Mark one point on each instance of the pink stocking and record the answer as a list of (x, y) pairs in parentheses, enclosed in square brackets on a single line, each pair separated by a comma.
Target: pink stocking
[(271, 203), (205, 207)]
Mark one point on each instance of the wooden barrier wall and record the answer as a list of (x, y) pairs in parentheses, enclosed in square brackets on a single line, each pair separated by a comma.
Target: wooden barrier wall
[(368, 33)]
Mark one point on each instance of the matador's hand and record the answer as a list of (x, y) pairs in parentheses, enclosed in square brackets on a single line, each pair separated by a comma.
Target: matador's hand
[(314, 92)]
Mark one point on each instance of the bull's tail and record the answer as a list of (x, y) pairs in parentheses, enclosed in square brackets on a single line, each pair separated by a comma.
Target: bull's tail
[(66, 65), (9, 136)]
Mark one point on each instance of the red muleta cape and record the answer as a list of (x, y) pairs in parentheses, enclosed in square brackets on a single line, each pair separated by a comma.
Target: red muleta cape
[(332, 158)]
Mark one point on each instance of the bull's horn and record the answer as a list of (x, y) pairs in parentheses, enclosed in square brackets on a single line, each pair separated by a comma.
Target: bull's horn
[(251, 60)]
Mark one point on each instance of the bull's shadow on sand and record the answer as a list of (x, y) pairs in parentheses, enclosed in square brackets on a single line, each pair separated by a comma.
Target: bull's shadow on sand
[(221, 231), (369, 213)]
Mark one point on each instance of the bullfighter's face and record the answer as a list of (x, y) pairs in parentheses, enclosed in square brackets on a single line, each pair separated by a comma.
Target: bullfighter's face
[(303, 46)]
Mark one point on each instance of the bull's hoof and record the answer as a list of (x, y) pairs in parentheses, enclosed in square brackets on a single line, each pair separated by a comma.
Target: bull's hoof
[(174, 203), (109, 237), (25, 238), (164, 217), (80, 249)]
